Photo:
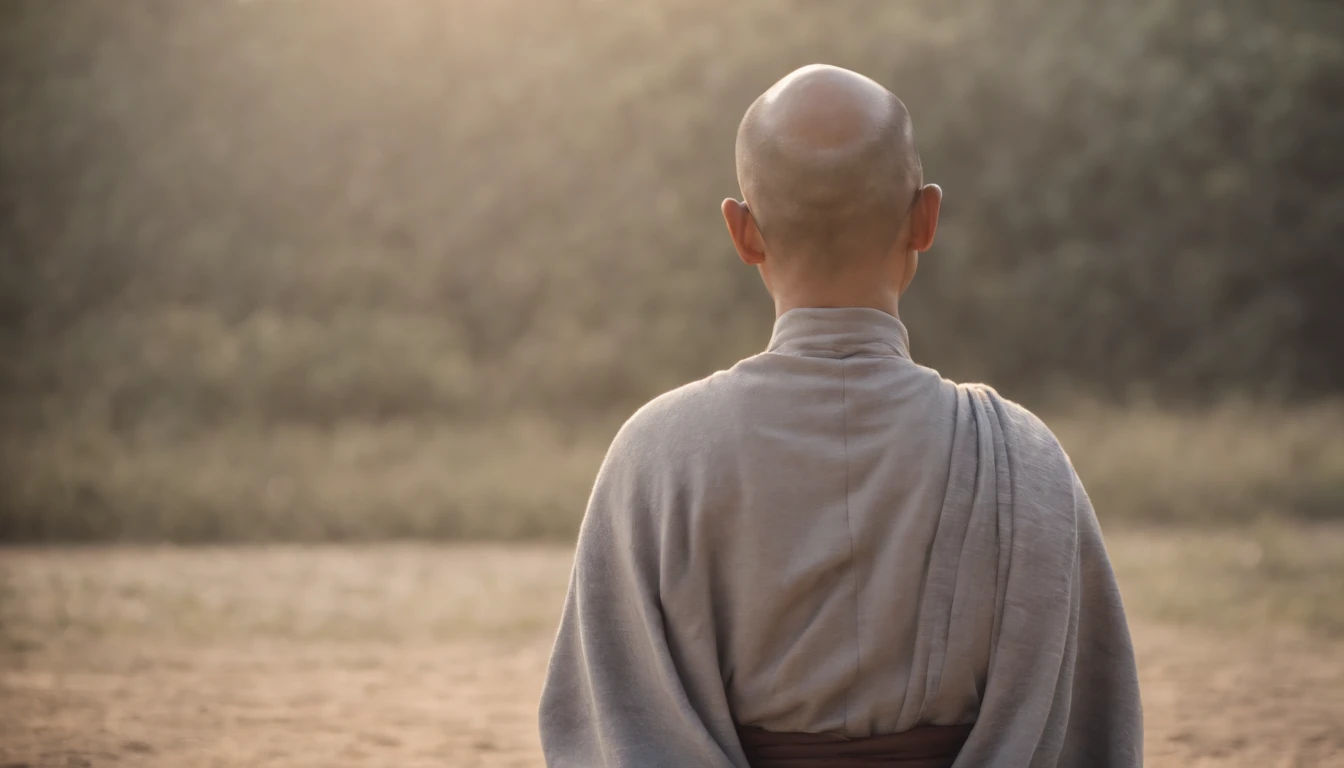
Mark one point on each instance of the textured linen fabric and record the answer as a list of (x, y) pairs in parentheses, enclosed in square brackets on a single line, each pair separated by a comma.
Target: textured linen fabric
[(830, 538)]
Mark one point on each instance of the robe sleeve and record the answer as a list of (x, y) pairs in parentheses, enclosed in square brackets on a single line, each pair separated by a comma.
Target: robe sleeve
[(1105, 724), (613, 696)]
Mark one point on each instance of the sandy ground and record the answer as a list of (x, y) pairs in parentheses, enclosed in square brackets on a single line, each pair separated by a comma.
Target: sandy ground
[(418, 655)]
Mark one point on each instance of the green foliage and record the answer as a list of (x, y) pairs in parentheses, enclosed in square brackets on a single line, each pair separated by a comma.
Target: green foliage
[(484, 205), (270, 218)]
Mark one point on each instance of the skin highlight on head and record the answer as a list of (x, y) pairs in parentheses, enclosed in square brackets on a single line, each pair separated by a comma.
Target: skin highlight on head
[(834, 210)]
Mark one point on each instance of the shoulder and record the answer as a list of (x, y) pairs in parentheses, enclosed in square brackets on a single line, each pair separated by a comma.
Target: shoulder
[(1034, 452), (1013, 416), (675, 425)]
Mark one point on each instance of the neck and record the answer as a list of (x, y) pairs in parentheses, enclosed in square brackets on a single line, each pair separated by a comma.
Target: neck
[(877, 284), (881, 300)]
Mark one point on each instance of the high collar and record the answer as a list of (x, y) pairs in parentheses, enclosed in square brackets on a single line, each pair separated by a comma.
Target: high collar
[(837, 332)]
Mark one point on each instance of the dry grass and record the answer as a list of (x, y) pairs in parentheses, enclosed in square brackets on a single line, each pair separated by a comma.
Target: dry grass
[(1230, 464), (1270, 575), (528, 479), (433, 655), (355, 481)]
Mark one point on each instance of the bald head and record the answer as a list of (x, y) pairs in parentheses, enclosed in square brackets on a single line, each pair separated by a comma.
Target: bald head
[(827, 163)]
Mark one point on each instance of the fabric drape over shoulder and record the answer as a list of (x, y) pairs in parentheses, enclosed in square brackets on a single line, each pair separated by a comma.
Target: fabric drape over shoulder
[(831, 538)]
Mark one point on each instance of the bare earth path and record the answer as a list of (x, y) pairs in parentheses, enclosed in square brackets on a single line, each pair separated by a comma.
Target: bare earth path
[(417, 655)]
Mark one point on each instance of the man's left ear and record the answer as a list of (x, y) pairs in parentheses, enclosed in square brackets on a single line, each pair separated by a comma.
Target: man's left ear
[(924, 217)]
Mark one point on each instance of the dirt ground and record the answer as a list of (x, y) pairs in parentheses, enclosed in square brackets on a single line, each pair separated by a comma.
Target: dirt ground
[(414, 655)]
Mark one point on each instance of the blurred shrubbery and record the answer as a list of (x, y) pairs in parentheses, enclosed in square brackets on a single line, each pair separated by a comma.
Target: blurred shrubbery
[(222, 219)]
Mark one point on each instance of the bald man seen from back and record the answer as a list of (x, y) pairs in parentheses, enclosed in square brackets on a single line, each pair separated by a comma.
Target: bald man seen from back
[(829, 555)]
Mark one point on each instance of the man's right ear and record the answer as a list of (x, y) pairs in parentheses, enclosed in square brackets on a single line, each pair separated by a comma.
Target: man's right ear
[(742, 229)]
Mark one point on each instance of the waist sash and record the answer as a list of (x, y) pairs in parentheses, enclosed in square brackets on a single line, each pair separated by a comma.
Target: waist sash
[(931, 746)]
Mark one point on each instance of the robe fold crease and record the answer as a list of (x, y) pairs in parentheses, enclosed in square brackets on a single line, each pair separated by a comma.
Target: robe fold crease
[(830, 538)]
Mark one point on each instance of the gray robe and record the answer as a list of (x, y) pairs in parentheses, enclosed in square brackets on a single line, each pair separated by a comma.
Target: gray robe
[(830, 537)]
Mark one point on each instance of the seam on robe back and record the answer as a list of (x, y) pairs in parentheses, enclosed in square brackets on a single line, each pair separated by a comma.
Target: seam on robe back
[(849, 526)]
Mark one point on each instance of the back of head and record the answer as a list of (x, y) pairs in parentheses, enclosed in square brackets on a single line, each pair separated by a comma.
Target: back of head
[(827, 163)]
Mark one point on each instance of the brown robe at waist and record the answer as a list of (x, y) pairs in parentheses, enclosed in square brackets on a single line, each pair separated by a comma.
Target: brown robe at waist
[(930, 746)]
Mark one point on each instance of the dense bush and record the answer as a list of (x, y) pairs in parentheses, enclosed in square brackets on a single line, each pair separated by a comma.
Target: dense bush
[(258, 219), (314, 210)]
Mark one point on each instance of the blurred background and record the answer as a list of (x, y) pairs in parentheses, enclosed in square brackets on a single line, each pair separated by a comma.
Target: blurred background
[(367, 271), (310, 270)]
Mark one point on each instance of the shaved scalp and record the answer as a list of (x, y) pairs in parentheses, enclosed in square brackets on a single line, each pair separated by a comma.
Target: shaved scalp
[(827, 164)]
